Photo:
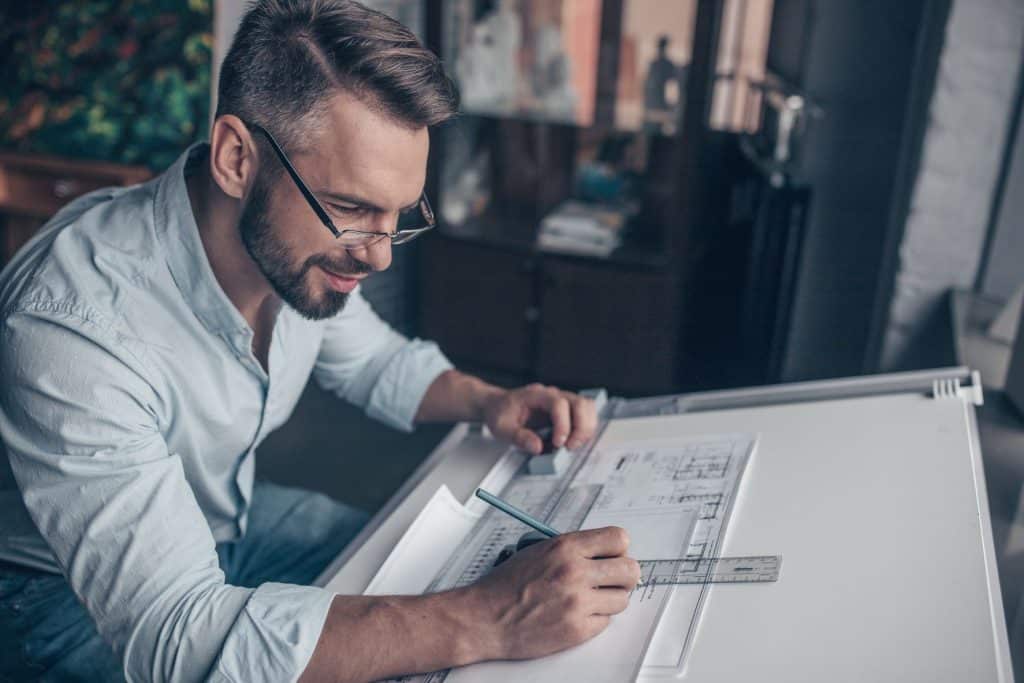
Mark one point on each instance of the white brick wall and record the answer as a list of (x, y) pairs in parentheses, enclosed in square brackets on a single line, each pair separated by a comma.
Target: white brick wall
[(963, 150)]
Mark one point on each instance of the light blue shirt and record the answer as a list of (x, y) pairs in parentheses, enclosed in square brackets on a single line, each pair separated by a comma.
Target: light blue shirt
[(131, 404)]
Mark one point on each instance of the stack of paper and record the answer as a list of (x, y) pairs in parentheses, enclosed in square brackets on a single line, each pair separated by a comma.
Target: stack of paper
[(581, 228), (426, 546)]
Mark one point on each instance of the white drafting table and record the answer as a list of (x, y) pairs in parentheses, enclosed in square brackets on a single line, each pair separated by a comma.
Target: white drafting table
[(871, 490)]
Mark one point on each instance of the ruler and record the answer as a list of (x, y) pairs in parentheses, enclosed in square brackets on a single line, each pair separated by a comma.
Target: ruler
[(751, 569)]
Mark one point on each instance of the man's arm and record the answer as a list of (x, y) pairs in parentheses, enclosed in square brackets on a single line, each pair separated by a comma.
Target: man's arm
[(511, 414), (81, 420), (457, 397), (366, 362), (548, 597), (401, 381)]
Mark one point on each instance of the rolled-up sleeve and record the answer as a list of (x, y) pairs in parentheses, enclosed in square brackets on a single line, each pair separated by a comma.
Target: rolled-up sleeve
[(82, 427), (363, 360)]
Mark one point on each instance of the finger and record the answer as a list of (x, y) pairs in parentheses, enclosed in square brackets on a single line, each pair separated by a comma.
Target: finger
[(528, 441), (608, 601), (609, 541), (614, 572), (560, 414), (584, 420)]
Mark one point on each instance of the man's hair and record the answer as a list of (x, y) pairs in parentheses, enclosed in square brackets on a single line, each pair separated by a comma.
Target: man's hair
[(289, 56)]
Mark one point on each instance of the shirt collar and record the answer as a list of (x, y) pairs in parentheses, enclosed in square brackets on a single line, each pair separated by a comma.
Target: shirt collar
[(186, 257)]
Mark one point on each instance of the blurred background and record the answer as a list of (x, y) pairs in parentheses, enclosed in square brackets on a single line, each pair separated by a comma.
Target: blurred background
[(644, 195)]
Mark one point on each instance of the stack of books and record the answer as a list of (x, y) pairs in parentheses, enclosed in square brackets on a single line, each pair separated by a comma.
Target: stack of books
[(580, 228)]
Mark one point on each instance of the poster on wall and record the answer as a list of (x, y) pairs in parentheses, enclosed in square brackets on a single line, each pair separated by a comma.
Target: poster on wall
[(654, 60), (534, 59)]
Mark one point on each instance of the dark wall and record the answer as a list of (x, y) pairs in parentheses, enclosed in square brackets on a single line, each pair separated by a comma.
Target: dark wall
[(860, 61), (1002, 272)]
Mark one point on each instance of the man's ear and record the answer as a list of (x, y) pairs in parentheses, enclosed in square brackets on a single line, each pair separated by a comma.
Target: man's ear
[(233, 158)]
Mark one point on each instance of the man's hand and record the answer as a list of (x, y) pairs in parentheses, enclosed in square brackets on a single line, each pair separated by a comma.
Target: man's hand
[(513, 415), (546, 598), (558, 593)]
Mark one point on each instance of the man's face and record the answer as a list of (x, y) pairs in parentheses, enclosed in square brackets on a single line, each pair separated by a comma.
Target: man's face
[(363, 168)]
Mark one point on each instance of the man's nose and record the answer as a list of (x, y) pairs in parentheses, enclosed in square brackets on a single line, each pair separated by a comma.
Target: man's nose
[(377, 255)]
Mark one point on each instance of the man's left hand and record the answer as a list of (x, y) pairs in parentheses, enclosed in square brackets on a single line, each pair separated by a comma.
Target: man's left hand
[(516, 414)]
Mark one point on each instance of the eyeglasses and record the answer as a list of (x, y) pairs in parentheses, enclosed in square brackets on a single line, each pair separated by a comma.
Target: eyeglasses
[(412, 222)]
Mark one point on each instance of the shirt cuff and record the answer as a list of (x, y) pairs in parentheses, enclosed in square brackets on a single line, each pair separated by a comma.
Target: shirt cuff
[(275, 634), (399, 389)]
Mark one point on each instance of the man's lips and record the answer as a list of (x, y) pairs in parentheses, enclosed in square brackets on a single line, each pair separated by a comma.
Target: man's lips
[(342, 283)]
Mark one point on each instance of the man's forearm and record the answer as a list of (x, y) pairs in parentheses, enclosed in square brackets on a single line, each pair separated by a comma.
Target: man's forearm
[(367, 638), (454, 397)]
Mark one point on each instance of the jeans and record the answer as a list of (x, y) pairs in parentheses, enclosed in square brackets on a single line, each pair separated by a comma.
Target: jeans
[(47, 635)]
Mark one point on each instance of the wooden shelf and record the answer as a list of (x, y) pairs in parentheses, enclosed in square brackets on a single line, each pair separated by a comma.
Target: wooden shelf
[(520, 235), (33, 187)]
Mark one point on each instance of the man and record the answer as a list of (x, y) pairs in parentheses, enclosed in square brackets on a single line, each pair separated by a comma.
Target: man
[(151, 338), (661, 105)]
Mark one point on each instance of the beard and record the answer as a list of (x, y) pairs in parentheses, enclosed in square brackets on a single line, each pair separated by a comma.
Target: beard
[(274, 260)]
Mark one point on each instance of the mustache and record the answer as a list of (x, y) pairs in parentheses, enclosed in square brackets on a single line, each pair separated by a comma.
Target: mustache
[(349, 266)]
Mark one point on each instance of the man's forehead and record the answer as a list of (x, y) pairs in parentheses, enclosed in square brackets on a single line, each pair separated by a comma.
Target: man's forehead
[(359, 150)]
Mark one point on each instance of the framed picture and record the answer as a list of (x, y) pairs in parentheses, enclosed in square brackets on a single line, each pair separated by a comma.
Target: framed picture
[(534, 59), (654, 61)]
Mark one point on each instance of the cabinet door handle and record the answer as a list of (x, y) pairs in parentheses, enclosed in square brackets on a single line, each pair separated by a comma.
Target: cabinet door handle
[(64, 188)]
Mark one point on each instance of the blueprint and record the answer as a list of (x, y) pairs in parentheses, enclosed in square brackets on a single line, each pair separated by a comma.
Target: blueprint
[(702, 471), (673, 496)]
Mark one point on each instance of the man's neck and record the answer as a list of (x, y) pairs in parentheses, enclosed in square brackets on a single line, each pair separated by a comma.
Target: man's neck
[(217, 216)]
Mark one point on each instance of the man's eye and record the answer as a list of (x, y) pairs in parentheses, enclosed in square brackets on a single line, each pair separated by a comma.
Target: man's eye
[(348, 210)]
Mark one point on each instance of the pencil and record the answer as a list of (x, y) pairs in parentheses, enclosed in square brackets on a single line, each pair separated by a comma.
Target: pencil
[(516, 512), (526, 519)]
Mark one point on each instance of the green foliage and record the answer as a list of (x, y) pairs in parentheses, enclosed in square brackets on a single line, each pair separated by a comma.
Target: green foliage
[(117, 80)]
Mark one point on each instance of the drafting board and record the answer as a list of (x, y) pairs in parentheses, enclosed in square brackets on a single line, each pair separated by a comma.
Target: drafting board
[(877, 503)]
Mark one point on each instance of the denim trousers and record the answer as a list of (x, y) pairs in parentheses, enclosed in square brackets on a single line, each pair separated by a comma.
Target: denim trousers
[(47, 635)]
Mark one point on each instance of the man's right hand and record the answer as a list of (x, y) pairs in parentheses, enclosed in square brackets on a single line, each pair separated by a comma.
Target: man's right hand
[(557, 593)]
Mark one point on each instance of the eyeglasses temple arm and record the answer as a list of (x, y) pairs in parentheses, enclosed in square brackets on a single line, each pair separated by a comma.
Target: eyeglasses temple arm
[(313, 203)]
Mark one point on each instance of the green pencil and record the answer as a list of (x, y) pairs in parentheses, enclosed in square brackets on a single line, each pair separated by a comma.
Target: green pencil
[(516, 512)]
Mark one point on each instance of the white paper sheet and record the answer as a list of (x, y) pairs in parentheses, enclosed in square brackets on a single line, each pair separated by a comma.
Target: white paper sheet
[(640, 495), (606, 657), (613, 655), (662, 492), (428, 542)]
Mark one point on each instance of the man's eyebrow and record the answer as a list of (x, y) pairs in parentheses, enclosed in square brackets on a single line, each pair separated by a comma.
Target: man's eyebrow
[(363, 203)]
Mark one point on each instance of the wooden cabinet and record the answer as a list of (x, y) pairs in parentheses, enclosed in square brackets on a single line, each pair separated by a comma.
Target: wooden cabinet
[(34, 187), (608, 325), (528, 316), (478, 303), (502, 308)]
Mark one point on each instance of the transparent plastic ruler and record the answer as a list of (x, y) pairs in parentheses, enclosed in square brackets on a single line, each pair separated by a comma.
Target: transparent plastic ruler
[(750, 569)]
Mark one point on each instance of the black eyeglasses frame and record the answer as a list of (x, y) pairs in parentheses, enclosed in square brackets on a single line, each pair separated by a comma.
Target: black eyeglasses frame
[(397, 237)]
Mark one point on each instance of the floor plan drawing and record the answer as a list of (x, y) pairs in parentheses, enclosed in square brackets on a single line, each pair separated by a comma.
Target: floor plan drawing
[(672, 496)]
